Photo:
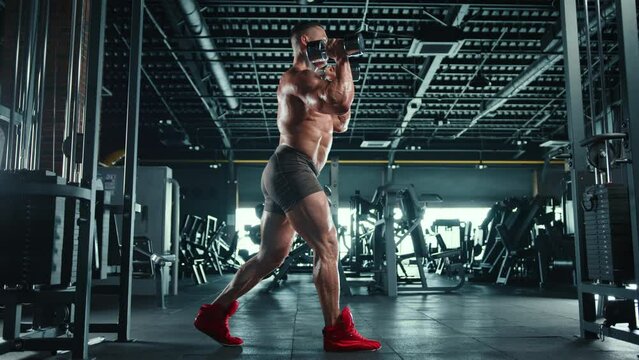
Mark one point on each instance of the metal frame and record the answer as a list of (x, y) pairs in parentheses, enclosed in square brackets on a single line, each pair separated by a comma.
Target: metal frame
[(590, 328), (10, 146), (130, 169), (578, 166), (80, 295), (390, 285), (345, 289)]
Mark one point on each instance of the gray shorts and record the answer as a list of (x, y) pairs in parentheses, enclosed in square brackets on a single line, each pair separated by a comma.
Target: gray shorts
[(289, 176)]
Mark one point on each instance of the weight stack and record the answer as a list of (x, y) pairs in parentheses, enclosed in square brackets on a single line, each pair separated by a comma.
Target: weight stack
[(608, 233), (32, 227)]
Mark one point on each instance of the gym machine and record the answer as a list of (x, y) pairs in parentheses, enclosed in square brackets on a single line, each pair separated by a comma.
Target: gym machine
[(388, 234), (523, 241), (603, 169), (455, 232), (48, 208), (192, 258), (157, 209), (207, 247), (374, 231), (359, 256), (48, 218)]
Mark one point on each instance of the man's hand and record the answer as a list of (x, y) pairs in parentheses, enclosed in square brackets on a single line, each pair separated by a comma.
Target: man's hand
[(340, 122), (335, 49)]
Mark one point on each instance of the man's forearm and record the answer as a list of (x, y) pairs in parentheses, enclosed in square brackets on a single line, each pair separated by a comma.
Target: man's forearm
[(342, 89), (341, 123)]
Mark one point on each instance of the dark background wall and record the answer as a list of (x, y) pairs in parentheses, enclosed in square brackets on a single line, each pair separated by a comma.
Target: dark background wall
[(205, 191), (458, 186)]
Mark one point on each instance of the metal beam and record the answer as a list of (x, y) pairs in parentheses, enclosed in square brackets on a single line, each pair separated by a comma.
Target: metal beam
[(426, 74), (629, 53), (10, 145), (576, 133), (419, 4), (130, 169), (91, 147), (25, 151)]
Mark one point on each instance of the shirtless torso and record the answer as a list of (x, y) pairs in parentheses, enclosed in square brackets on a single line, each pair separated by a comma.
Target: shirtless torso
[(302, 126)]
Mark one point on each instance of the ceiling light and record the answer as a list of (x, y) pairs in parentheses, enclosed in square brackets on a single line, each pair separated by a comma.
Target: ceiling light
[(440, 120), (375, 143)]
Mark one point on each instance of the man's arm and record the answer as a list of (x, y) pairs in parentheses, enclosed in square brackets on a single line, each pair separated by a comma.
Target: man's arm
[(340, 124), (328, 97)]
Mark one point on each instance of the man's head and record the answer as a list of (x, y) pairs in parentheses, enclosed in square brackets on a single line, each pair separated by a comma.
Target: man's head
[(305, 32)]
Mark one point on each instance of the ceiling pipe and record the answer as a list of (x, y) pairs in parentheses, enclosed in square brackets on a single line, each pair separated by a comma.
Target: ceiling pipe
[(197, 26), (529, 75)]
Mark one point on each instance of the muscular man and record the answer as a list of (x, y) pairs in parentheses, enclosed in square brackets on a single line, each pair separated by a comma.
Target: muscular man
[(311, 106)]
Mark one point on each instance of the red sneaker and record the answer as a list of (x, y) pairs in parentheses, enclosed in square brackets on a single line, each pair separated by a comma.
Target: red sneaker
[(344, 337), (212, 321)]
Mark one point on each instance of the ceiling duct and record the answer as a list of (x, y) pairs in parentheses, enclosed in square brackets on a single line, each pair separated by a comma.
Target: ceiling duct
[(198, 27)]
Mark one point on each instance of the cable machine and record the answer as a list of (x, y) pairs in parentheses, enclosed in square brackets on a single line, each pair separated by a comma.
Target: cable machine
[(605, 179)]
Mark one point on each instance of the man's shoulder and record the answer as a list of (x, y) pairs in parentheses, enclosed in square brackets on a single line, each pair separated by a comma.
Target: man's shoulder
[(295, 77)]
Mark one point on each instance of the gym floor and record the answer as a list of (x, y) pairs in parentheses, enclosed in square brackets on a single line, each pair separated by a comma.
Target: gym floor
[(477, 322)]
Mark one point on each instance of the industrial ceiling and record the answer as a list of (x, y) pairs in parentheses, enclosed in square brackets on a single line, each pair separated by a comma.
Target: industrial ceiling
[(209, 88)]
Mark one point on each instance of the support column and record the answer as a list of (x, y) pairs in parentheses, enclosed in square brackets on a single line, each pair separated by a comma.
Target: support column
[(232, 201), (578, 167), (345, 289), (130, 168), (629, 53), (97, 20), (389, 243)]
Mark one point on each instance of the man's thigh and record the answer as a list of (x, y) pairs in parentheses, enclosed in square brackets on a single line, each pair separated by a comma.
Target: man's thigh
[(311, 218), (277, 233)]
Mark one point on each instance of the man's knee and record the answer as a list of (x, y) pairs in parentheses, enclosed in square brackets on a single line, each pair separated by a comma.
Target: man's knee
[(273, 259)]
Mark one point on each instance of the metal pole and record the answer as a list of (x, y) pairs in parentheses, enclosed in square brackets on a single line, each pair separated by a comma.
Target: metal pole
[(578, 168), (41, 87), (591, 92), (91, 148), (31, 67), (175, 235), (232, 200), (69, 113), (130, 168), (629, 53), (10, 145), (389, 242), (345, 289), (602, 80)]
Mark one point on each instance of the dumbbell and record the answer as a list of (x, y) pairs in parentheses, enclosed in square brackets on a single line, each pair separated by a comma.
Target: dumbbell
[(355, 71), (353, 46)]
